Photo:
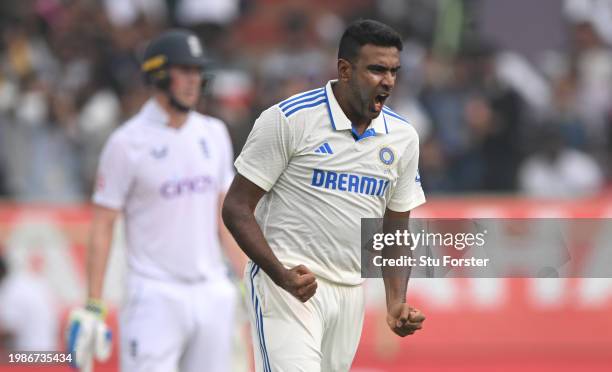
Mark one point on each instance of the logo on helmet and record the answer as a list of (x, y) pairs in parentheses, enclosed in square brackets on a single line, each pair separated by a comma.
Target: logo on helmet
[(154, 63), (194, 46)]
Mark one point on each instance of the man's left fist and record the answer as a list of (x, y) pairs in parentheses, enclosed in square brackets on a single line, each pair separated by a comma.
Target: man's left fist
[(404, 320)]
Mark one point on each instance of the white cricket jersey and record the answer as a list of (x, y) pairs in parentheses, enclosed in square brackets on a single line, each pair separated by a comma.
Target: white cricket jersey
[(321, 180), (167, 182)]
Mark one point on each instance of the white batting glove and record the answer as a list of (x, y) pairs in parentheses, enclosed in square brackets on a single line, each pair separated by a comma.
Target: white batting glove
[(88, 335)]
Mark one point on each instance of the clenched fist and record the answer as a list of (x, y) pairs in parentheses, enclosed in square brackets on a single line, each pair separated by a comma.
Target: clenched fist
[(300, 282), (403, 319)]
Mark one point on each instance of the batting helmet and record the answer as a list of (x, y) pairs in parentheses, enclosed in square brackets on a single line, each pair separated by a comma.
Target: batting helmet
[(173, 47)]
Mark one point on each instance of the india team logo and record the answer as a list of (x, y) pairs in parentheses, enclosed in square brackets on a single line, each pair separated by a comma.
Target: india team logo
[(386, 155)]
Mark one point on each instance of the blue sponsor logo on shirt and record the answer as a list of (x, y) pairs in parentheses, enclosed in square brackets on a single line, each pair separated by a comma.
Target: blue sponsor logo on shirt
[(349, 182)]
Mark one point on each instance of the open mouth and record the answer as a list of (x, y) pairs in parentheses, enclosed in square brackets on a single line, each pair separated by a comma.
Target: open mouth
[(379, 101)]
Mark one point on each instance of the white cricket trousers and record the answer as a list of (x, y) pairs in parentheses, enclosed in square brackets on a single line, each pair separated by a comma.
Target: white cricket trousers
[(320, 335), (173, 326)]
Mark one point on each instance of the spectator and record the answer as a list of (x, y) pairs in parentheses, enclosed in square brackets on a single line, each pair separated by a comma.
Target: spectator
[(67, 67), (558, 171)]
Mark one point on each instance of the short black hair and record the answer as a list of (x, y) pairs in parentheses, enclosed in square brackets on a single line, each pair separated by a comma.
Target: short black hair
[(366, 31)]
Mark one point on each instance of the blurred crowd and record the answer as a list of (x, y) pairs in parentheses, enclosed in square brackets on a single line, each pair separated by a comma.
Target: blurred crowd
[(490, 118)]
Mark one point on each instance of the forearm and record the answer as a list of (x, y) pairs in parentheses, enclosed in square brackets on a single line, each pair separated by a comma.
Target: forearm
[(396, 277), (237, 258), (97, 257), (241, 222), (235, 255), (395, 290)]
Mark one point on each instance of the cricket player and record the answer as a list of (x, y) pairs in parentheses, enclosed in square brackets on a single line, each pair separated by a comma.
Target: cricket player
[(312, 166), (166, 171)]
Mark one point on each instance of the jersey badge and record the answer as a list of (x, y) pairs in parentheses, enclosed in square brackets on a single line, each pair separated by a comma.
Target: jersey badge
[(386, 156)]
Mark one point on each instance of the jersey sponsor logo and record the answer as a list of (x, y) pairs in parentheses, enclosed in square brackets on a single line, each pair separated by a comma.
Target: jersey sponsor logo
[(159, 153), (386, 156), (324, 149), (349, 182), (177, 188)]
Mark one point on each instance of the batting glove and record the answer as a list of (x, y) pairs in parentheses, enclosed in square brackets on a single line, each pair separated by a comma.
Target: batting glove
[(88, 335)]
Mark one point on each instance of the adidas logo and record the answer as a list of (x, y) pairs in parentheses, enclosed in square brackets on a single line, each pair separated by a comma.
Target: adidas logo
[(159, 153), (324, 149)]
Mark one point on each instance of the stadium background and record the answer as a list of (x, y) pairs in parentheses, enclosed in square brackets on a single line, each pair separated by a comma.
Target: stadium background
[(512, 102)]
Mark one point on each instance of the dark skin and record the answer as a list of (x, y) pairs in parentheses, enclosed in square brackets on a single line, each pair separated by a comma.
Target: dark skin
[(238, 216), (360, 82), (402, 318), (361, 90)]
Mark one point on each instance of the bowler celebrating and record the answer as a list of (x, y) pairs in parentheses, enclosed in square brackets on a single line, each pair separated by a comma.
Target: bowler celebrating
[(312, 166)]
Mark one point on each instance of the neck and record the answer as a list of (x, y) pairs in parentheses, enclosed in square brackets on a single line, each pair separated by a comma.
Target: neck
[(176, 118), (343, 93)]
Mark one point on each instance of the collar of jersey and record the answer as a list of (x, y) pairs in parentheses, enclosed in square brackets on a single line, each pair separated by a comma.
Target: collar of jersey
[(338, 118), (154, 114)]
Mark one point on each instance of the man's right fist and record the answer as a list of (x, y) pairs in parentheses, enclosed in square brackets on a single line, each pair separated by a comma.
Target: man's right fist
[(88, 335), (300, 282)]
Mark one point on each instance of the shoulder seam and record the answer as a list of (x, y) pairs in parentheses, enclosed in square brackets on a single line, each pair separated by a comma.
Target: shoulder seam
[(304, 105), (388, 111), (311, 98), (293, 98)]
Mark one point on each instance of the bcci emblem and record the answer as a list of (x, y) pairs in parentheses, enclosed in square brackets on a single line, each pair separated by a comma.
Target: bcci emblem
[(386, 155)]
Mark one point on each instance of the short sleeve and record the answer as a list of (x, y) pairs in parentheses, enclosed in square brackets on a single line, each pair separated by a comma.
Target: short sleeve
[(226, 168), (115, 174), (267, 150), (408, 193)]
